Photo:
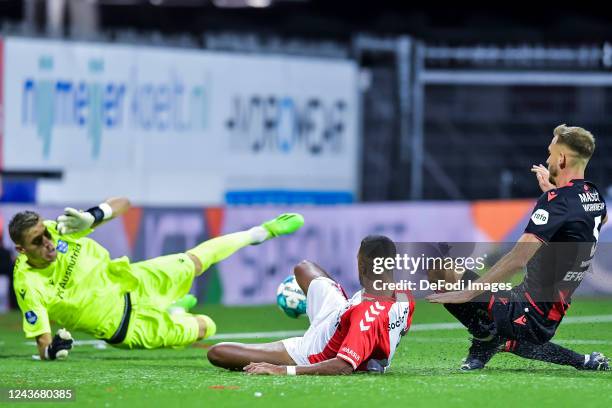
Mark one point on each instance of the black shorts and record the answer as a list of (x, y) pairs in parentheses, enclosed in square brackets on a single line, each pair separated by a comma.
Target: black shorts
[(512, 314)]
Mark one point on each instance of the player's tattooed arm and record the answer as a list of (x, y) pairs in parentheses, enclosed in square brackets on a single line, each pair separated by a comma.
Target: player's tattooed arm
[(334, 366)]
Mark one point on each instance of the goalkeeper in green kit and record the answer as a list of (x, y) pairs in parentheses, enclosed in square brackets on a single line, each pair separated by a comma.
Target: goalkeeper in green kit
[(63, 276)]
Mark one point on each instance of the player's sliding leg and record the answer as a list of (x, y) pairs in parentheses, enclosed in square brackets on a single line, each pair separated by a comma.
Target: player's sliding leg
[(485, 342), (553, 353), (474, 316), (218, 249), (236, 356), (324, 297)]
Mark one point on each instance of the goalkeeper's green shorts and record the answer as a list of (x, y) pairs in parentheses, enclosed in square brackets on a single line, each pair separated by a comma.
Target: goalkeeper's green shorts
[(162, 281)]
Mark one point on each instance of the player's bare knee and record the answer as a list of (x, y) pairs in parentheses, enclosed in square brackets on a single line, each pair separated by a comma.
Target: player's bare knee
[(219, 354), (304, 273), (215, 355), (303, 266)]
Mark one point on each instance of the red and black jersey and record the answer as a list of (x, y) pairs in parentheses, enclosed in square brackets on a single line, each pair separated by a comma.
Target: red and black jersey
[(567, 220)]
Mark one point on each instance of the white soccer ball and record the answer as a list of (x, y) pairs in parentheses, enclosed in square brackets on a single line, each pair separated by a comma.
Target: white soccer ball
[(290, 298)]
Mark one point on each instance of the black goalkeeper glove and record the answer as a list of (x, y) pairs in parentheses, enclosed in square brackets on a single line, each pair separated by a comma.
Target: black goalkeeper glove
[(58, 349)]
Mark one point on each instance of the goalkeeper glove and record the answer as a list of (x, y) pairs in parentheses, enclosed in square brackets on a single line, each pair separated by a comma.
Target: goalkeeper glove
[(75, 221), (61, 343)]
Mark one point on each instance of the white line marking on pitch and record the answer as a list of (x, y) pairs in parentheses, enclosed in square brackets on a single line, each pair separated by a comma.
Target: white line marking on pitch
[(256, 335), (415, 328), (466, 340)]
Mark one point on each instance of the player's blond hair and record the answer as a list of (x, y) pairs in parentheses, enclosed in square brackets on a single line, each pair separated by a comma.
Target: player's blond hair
[(578, 140)]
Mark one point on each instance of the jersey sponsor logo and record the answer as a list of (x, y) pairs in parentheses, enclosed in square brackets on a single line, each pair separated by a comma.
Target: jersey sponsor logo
[(22, 293), (589, 197), (31, 316), (351, 353), (552, 195), (540, 217), (594, 207), (591, 202), (66, 278), (522, 320), (62, 246), (400, 320), (574, 276)]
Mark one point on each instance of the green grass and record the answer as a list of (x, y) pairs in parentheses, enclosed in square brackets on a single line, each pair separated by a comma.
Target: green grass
[(424, 371)]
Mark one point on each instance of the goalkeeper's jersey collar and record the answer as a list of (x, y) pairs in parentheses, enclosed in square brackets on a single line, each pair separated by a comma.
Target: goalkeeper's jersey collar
[(46, 271)]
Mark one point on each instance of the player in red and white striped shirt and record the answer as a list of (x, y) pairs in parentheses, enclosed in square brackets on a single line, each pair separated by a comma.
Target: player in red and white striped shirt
[(345, 335)]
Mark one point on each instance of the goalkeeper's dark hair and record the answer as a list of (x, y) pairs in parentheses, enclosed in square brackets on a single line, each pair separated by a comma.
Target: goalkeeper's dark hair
[(20, 223), (375, 246)]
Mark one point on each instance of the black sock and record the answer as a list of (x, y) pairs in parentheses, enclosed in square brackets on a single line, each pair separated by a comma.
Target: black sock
[(472, 315), (549, 352), (484, 350)]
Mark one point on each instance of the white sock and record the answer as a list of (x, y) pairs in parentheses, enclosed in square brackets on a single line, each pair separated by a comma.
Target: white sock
[(259, 234)]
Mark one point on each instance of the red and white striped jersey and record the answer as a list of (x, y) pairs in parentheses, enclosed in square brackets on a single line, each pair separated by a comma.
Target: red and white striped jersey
[(361, 329)]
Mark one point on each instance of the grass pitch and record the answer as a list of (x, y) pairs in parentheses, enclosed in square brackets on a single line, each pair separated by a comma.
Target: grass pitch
[(424, 370)]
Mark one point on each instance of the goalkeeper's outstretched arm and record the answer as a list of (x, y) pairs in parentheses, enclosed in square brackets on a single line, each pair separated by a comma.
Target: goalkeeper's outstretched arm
[(73, 220), (118, 205)]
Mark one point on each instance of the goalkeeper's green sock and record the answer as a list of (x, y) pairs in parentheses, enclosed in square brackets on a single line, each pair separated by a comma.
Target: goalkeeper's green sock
[(217, 249)]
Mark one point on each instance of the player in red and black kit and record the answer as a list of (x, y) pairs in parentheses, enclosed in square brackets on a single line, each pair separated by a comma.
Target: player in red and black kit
[(557, 248), (345, 335)]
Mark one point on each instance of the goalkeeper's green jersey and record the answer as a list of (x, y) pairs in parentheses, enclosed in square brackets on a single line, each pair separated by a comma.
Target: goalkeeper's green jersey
[(83, 289)]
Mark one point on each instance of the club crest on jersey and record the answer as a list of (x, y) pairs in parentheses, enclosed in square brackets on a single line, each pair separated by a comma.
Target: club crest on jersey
[(31, 317), (62, 246), (540, 217)]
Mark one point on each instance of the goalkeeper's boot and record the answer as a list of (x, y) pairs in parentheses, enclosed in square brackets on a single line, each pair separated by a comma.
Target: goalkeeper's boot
[(480, 353), (284, 224), (183, 305), (596, 362)]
